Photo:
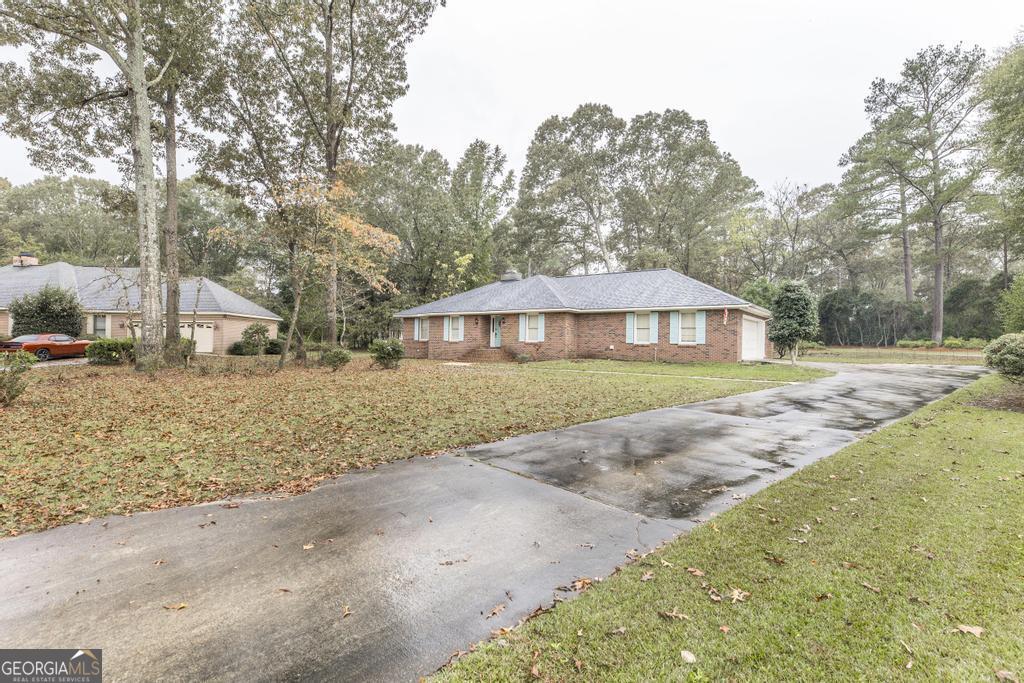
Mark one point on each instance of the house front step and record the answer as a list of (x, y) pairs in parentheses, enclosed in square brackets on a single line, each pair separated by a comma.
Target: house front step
[(487, 355)]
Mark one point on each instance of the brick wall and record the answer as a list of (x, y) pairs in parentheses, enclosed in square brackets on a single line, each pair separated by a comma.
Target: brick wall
[(597, 333), (475, 335), (413, 348), (560, 333)]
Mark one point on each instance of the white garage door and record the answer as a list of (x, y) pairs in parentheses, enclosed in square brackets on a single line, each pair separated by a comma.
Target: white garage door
[(753, 338), (204, 334)]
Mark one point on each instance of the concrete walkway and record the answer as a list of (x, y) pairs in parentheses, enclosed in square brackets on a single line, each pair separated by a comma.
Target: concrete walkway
[(383, 574)]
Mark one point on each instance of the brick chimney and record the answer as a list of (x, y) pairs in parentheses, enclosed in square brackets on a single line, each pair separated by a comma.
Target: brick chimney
[(26, 258)]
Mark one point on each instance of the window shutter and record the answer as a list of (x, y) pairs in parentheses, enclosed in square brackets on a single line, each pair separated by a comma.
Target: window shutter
[(447, 328), (629, 328), (540, 327), (89, 324), (654, 327), (522, 327), (702, 322), (673, 327), (462, 327), (416, 329)]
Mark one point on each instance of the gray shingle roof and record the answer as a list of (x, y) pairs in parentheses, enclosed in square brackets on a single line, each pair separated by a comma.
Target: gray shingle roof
[(116, 289), (641, 289)]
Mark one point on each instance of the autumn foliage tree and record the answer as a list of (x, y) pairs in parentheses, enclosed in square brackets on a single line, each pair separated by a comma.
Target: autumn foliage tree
[(316, 227)]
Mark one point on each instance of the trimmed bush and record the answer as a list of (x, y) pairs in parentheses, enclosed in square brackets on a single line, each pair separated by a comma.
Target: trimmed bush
[(13, 381), (975, 343), (810, 344), (50, 310), (335, 358), (274, 347), (1006, 355), (255, 339), (954, 343), (111, 351), (523, 358), (238, 349), (387, 353)]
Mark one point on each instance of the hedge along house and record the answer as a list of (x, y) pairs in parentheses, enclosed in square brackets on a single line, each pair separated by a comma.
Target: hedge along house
[(655, 315), (110, 299)]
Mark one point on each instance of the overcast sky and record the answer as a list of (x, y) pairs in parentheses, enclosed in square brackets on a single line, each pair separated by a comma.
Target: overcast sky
[(780, 83)]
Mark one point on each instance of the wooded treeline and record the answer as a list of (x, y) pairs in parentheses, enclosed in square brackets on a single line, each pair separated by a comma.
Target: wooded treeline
[(305, 202)]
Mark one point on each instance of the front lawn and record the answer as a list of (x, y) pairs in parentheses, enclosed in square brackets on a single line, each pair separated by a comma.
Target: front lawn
[(85, 442), (899, 558), (756, 371), (873, 355)]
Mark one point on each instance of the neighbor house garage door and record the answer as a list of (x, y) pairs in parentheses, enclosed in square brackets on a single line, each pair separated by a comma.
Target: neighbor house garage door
[(753, 339), (204, 334)]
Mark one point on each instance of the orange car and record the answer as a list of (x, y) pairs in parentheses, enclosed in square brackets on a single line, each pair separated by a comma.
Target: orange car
[(46, 346)]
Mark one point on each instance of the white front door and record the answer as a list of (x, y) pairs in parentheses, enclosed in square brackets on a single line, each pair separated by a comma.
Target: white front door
[(495, 331), (753, 339)]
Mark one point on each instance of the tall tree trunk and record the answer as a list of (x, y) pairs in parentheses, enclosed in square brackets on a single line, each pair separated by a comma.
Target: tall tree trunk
[(908, 267), (332, 295), (148, 355), (173, 306), (938, 289), (1006, 261), (291, 324)]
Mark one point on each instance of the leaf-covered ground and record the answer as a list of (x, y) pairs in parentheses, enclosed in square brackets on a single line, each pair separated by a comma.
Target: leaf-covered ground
[(86, 442), (899, 558), (759, 371)]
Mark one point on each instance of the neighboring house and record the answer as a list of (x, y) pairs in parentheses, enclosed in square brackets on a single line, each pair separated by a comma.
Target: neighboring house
[(641, 315), (110, 297)]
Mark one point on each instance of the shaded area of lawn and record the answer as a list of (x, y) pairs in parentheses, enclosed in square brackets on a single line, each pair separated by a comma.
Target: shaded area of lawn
[(85, 442), (863, 566), (760, 371), (850, 354)]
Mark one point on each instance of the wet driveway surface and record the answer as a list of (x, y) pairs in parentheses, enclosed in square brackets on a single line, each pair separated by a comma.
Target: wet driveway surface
[(382, 574), (686, 462)]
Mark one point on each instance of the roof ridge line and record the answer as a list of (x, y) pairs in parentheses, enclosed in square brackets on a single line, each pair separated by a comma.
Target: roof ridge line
[(558, 295)]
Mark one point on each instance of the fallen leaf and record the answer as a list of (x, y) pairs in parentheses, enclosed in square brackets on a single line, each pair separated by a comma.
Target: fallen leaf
[(823, 596), (673, 615), (647, 576), (870, 587), (738, 595), (723, 628), (229, 506), (665, 563), (620, 631), (688, 657), (498, 609), (159, 562), (285, 590), (695, 571), (535, 671), (345, 612), (176, 606), (578, 663), (1006, 676), (975, 631), (308, 546)]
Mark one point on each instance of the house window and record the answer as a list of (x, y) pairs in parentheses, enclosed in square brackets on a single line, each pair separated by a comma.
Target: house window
[(421, 329), (99, 325), (688, 327), (533, 328), (455, 328), (642, 328)]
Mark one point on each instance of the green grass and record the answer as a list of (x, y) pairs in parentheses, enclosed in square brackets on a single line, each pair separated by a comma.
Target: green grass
[(900, 538), (758, 371), (85, 441), (851, 354)]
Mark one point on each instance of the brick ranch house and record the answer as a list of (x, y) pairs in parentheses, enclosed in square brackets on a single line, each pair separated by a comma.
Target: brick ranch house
[(110, 298), (641, 315)]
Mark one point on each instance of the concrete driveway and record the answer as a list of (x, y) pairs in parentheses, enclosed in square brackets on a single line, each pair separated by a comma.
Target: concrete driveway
[(383, 574)]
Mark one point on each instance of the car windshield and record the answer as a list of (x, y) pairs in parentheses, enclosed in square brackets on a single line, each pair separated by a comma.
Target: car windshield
[(26, 338)]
